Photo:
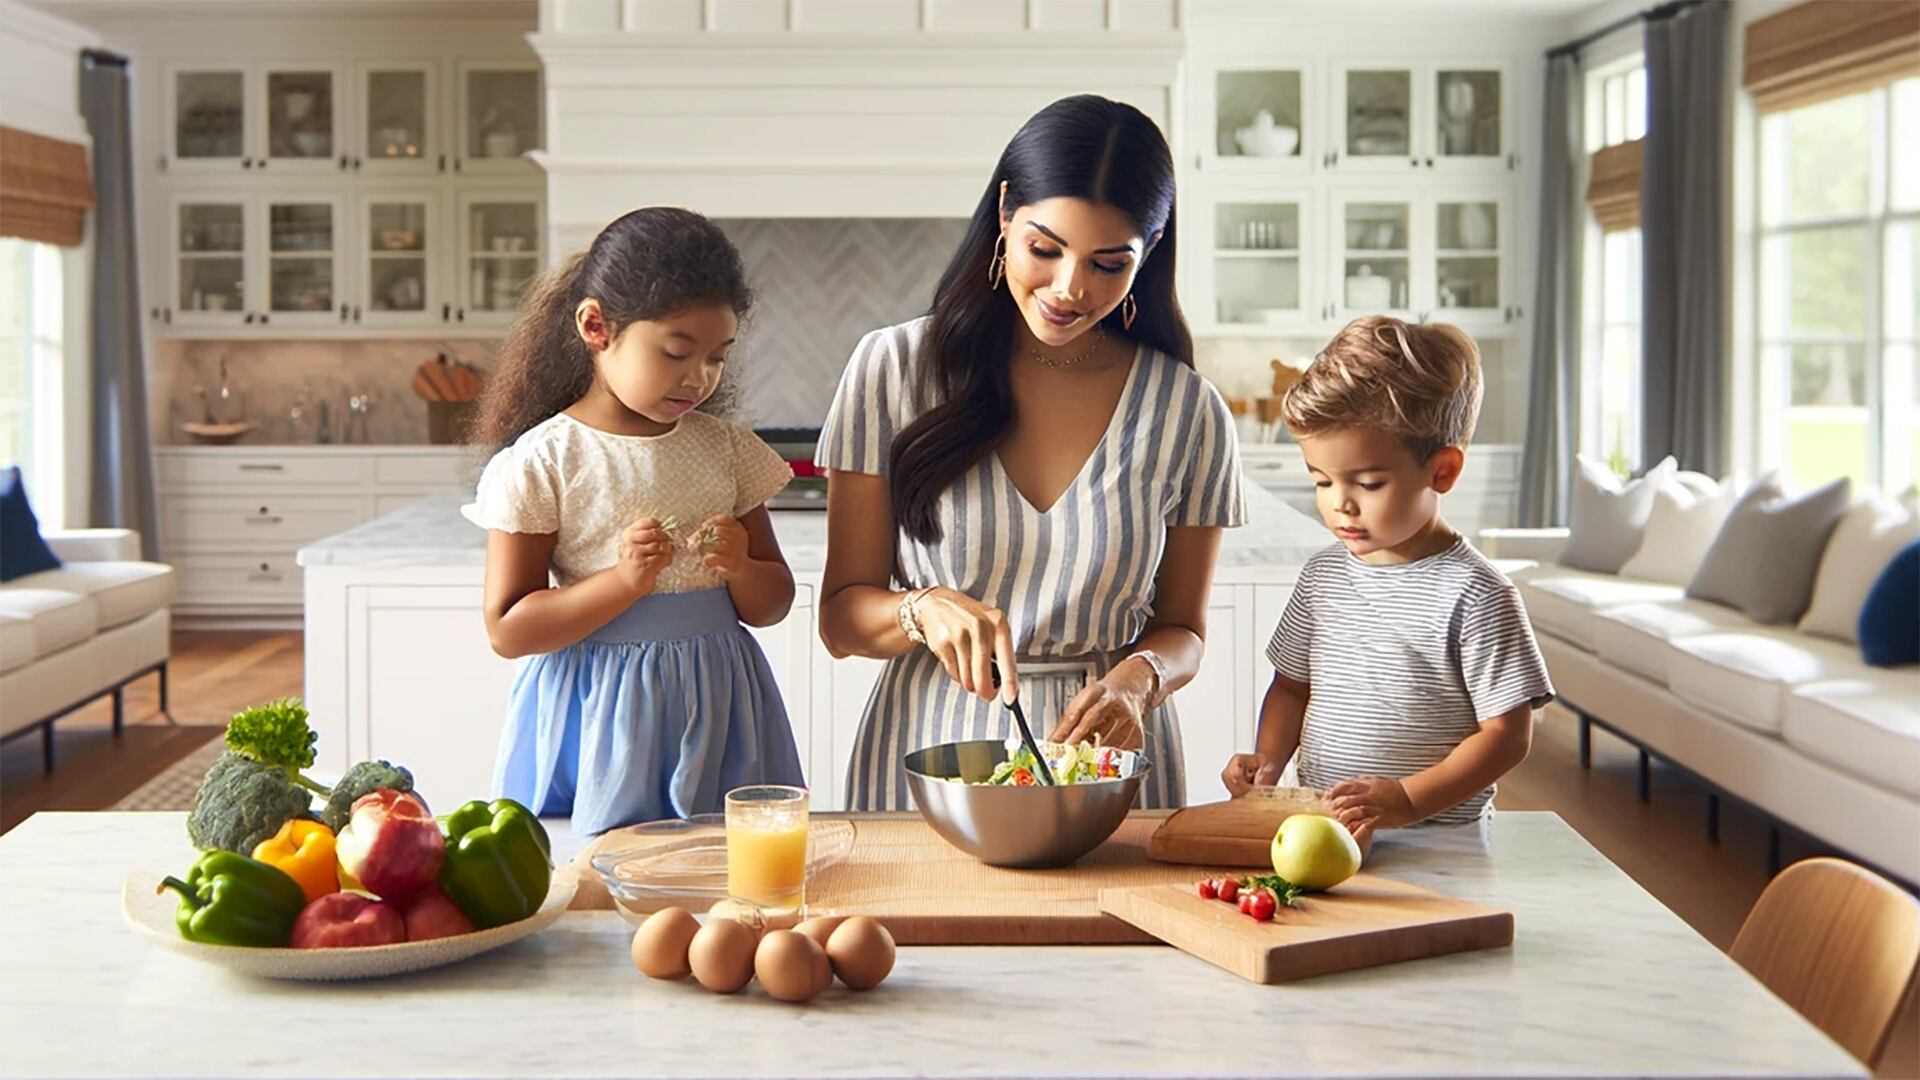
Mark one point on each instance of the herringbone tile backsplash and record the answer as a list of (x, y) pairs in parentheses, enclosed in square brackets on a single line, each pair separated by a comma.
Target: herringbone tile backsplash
[(821, 284)]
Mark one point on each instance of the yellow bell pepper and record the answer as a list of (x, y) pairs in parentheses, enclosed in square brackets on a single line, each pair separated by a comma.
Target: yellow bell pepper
[(304, 849)]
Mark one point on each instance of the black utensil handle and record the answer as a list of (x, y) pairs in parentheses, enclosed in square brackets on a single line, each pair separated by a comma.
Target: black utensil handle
[(1026, 733)]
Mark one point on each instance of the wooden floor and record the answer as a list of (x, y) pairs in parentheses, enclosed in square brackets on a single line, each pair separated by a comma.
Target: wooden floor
[(1661, 844)]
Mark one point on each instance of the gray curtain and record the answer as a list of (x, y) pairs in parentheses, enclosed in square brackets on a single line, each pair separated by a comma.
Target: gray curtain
[(1546, 467), (122, 492), (1682, 241)]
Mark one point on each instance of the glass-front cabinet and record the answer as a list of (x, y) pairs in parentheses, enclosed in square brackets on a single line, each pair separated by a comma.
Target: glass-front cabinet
[(500, 117), (399, 272), (303, 260), (1419, 118), (301, 117), (500, 255), (207, 118), (1256, 277), (1468, 270), (1258, 117), (253, 118), (209, 262), (1439, 256), (400, 125), (1374, 269)]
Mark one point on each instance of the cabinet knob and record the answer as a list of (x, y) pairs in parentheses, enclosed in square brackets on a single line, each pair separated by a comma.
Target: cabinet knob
[(263, 318), (456, 164), (446, 312), (343, 311), (166, 315), (246, 163), (356, 313), (163, 163), (249, 318), (460, 314), (1429, 163), (443, 163), (1336, 157), (343, 161), (1513, 161), (357, 162)]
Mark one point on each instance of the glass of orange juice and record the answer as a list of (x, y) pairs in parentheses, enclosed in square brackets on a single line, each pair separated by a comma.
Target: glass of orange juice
[(767, 847)]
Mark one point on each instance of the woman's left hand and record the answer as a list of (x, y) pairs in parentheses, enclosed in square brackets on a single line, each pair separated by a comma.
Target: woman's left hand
[(725, 548), (1112, 708)]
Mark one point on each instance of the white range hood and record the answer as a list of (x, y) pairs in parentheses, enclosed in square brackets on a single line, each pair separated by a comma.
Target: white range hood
[(819, 110)]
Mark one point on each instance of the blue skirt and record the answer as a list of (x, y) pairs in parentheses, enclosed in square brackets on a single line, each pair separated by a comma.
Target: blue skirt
[(657, 714)]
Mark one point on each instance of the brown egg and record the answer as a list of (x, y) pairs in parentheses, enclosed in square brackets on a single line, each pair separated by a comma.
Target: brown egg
[(660, 945), (721, 956), (791, 967), (861, 951), (821, 927)]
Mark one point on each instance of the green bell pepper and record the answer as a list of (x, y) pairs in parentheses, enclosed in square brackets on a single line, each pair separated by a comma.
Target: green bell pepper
[(229, 899), (498, 863)]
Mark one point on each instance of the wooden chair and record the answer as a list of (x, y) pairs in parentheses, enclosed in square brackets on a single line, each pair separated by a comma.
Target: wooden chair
[(1838, 943)]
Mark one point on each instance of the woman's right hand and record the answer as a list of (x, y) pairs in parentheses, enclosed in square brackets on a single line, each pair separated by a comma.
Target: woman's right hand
[(645, 550), (969, 638)]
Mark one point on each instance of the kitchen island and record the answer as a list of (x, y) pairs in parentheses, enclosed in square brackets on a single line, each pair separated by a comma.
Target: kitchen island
[(398, 666), (1600, 981)]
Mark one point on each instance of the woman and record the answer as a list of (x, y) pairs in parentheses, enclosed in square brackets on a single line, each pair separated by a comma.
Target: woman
[(1032, 475)]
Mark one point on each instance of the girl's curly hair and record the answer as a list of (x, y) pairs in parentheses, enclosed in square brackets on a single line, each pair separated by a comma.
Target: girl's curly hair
[(649, 263)]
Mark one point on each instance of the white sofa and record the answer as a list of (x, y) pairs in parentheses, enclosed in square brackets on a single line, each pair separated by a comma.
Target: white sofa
[(69, 635), (1794, 725)]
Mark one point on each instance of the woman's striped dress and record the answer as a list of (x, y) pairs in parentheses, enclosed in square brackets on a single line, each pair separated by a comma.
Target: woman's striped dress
[(1076, 582)]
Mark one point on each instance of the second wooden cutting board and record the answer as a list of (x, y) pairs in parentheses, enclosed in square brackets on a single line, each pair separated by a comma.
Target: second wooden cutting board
[(1364, 922)]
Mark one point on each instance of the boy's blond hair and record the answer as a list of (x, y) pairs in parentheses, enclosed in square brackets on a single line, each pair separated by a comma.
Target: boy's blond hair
[(1420, 382)]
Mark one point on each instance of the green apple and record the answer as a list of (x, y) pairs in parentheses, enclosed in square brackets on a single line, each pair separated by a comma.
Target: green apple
[(1314, 852)]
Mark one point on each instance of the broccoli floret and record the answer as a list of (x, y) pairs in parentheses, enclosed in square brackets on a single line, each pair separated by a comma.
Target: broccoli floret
[(276, 734), (364, 778), (242, 802)]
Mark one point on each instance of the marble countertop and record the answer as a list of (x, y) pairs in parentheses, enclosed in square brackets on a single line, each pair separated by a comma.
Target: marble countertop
[(1600, 981), (1275, 542)]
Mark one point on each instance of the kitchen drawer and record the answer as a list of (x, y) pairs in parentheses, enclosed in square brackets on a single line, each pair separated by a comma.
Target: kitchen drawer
[(203, 522), (268, 578), (263, 469), (422, 470)]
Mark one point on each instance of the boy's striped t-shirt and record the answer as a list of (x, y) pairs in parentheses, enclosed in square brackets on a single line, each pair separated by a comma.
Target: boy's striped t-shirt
[(1403, 662)]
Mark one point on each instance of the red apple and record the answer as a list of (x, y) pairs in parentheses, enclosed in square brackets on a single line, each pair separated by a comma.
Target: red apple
[(345, 920), (391, 844), (430, 914)]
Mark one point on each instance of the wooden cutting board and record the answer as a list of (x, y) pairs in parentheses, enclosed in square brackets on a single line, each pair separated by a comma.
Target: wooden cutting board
[(1238, 832), (1364, 922)]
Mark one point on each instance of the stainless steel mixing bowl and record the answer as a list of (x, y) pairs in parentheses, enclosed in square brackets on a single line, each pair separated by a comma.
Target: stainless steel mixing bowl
[(1015, 826)]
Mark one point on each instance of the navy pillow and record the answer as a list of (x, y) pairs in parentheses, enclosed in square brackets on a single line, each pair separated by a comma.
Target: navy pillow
[(22, 551), (1890, 619)]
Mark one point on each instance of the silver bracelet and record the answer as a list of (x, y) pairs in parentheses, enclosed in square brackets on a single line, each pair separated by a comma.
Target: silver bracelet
[(1159, 667), (910, 618)]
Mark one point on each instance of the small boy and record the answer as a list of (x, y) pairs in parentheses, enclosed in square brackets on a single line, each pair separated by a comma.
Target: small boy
[(1405, 673)]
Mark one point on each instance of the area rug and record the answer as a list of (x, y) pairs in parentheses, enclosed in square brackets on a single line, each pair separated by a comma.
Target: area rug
[(175, 785)]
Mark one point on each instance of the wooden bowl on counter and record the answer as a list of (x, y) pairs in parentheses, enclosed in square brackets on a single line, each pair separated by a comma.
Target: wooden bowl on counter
[(218, 434)]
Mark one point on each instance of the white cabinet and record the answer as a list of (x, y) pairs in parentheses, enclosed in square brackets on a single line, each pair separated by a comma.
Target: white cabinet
[(256, 118), (500, 237), (1264, 247), (1435, 254), (1214, 719), (1257, 115), (789, 647), (501, 117), (400, 271), (400, 128), (1419, 119)]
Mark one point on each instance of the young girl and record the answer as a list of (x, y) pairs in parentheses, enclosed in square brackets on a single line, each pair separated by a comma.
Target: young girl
[(628, 537)]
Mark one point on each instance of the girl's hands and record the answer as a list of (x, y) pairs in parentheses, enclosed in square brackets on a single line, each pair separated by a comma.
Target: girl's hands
[(1111, 708), (645, 550), (723, 545), (1245, 772), (1368, 803), (969, 637)]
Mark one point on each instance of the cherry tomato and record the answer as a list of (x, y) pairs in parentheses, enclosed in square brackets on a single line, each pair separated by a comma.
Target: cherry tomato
[(1245, 903), (1208, 890), (1262, 906), (1227, 889)]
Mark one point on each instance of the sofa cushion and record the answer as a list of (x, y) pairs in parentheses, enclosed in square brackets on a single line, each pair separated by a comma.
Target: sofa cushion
[(16, 641), (1686, 515), (59, 618), (22, 550), (1890, 618), (1563, 603), (1744, 676), (1638, 637), (1608, 518), (1869, 727), (1865, 541), (121, 591), (1765, 556)]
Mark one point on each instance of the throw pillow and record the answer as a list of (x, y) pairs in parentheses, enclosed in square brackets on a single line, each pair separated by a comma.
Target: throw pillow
[(1890, 619), (22, 550), (1687, 513), (1609, 517), (1765, 556), (1864, 542)]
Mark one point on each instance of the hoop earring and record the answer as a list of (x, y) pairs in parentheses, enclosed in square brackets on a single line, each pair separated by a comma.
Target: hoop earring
[(997, 266), (1129, 310)]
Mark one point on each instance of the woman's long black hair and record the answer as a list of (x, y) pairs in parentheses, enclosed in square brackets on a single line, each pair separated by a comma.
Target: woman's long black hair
[(1083, 147), (648, 264)]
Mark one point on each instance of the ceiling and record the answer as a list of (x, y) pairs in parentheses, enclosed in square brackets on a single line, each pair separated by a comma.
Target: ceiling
[(107, 12)]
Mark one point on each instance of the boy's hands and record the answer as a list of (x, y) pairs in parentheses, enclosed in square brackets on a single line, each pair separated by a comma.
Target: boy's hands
[(1370, 802), (724, 545), (645, 550), (1246, 771)]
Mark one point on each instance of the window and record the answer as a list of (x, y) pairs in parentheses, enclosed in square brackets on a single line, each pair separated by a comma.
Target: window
[(1616, 108), (32, 320), (1839, 281)]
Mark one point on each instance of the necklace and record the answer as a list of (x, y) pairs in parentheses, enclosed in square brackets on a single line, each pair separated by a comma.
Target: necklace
[(1099, 335)]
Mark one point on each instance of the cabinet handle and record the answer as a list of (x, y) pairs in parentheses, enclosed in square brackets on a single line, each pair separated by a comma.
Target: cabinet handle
[(456, 164), (163, 163), (166, 315), (343, 161), (263, 318), (1415, 162), (246, 163), (249, 318), (356, 313), (460, 314), (446, 312), (443, 163), (264, 519), (343, 311), (269, 466), (1512, 162), (154, 314), (262, 163), (1429, 163), (357, 162)]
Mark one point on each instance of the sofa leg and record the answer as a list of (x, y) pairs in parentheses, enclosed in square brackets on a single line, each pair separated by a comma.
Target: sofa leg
[(164, 709), (119, 710), (1646, 777), (1713, 818), (46, 746), (1586, 742)]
